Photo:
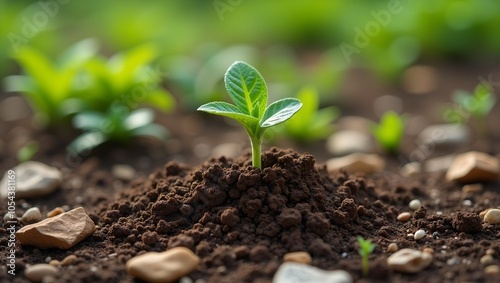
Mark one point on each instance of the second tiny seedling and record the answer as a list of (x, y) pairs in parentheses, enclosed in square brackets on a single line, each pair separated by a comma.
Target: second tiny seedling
[(366, 247), (247, 89)]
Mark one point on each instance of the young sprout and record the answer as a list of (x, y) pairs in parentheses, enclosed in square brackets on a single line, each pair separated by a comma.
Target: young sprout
[(27, 152), (366, 247), (247, 89), (389, 132)]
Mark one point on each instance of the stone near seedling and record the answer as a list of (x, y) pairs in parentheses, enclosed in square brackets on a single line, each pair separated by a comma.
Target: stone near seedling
[(357, 162), (392, 248), (472, 167), (32, 215), (299, 257), (38, 272), (444, 134), (411, 169), (33, 179), (296, 272), (409, 261), (415, 204), (54, 212), (62, 231), (492, 216), (167, 266), (403, 217), (123, 172), (349, 141)]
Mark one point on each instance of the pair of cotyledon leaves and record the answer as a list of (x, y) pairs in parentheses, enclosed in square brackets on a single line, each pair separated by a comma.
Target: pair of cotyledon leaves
[(247, 89)]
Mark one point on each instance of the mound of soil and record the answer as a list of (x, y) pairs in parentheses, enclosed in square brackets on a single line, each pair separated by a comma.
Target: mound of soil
[(241, 221)]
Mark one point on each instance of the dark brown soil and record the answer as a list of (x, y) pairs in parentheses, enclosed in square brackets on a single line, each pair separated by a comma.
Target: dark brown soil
[(241, 220)]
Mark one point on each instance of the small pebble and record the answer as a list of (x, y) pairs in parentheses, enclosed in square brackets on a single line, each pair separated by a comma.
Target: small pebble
[(428, 250), (492, 216), (414, 204), (411, 169), (297, 272), (69, 260), (409, 261), (435, 235), (38, 272), (55, 262), (410, 235), (300, 257), (453, 261), (31, 215), (467, 202), (472, 188), (492, 270), (392, 248), (490, 251), (54, 212), (419, 234), (403, 217), (486, 259), (483, 213)]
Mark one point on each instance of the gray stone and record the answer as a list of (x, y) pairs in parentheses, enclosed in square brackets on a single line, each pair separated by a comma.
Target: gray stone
[(349, 141), (32, 179), (291, 272), (444, 134), (409, 261), (32, 215)]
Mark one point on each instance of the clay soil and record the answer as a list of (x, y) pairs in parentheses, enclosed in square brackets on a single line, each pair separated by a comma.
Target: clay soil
[(241, 220)]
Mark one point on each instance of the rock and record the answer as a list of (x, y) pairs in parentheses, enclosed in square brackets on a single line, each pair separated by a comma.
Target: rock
[(357, 162), (62, 231), (32, 179), (439, 164), (403, 217), (472, 167), (420, 79), (411, 169), (419, 234), (349, 141), (415, 204), (483, 213), (32, 215), (486, 259), (492, 216), (38, 272), (167, 266), (296, 272), (299, 257), (409, 261), (69, 260), (123, 172), (54, 212), (492, 270), (392, 248), (472, 188), (444, 135), (428, 250)]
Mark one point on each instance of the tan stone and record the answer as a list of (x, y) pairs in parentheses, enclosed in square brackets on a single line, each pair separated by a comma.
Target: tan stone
[(357, 162), (38, 272), (483, 213), (403, 217), (167, 266), (486, 259), (62, 231), (492, 216), (392, 248), (472, 188), (492, 270), (472, 167), (54, 212), (428, 250), (69, 260), (300, 257), (409, 261)]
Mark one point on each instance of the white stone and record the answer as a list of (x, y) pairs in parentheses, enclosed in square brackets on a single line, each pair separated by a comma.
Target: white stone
[(472, 167), (62, 231), (419, 234), (415, 204), (123, 172), (409, 261), (444, 134), (411, 169), (349, 141), (492, 216), (32, 179), (38, 272), (32, 215), (357, 162), (291, 272), (168, 266)]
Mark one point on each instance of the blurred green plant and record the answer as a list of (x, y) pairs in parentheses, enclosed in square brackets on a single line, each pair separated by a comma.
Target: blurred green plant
[(47, 85), (118, 125), (248, 90), (389, 131), (477, 104), (27, 152), (311, 123), (366, 247)]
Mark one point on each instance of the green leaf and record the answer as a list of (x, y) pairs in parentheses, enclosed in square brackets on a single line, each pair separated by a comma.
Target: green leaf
[(27, 152), (160, 99), (138, 118), (280, 111), (86, 142), (484, 100), (79, 53), (228, 110), (390, 131), (38, 66), (247, 88), (88, 120)]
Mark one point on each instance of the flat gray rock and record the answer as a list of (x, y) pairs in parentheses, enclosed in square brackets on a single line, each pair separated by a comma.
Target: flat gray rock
[(291, 272), (32, 179), (444, 134)]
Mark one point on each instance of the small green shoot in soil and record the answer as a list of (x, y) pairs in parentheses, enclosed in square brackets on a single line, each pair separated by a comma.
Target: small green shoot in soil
[(27, 152), (389, 132), (247, 89), (366, 247)]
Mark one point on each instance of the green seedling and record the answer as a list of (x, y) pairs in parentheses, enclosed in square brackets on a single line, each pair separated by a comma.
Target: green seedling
[(47, 85), (389, 132), (117, 125), (247, 89), (311, 123), (477, 104), (27, 152), (366, 247)]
